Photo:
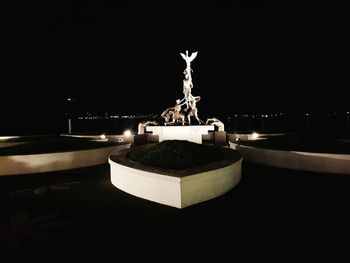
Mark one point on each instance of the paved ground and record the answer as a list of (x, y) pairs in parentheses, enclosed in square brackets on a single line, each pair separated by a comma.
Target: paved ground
[(74, 212)]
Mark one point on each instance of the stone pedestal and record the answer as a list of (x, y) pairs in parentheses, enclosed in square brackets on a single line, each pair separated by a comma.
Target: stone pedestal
[(140, 139), (192, 133), (220, 138)]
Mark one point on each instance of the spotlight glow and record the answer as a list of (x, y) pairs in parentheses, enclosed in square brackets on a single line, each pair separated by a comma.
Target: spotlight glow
[(4, 138), (127, 133), (255, 135), (103, 136)]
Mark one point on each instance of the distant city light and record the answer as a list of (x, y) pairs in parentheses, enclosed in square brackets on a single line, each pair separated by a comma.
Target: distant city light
[(127, 133), (103, 136)]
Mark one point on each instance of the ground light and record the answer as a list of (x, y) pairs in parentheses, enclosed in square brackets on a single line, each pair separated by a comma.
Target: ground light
[(255, 136), (127, 133)]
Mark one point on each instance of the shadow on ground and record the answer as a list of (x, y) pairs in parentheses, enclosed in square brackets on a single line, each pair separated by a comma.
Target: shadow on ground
[(78, 211)]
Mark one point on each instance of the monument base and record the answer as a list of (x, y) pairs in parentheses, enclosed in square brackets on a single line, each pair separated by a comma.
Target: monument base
[(192, 133), (220, 138), (140, 139)]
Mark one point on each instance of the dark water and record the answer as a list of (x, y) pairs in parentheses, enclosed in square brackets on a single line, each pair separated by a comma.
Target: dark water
[(35, 126), (338, 123), (32, 124)]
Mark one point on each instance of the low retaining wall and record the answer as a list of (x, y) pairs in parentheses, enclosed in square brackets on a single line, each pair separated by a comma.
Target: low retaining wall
[(306, 161), (48, 162), (9, 137), (110, 138), (249, 136), (10, 144)]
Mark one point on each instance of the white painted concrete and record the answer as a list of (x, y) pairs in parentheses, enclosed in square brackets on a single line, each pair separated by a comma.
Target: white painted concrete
[(102, 137), (306, 161), (4, 138), (208, 185), (192, 133), (10, 144), (249, 136), (120, 138), (151, 186), (173, 190), (48, 162)]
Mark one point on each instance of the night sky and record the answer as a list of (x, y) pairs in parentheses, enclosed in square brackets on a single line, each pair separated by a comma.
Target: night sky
[(123, 56)]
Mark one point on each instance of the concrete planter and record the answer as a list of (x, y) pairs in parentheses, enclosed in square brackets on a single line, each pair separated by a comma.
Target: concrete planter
[(177, 188)]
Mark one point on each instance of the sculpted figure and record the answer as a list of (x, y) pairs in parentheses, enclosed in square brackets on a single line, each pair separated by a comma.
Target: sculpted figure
[(188, 60), (175, 115), (142, 126), (217, 123)]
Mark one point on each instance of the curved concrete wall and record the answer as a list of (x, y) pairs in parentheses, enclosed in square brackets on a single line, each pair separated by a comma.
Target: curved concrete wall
[(110, 138), (175, 191), (9, 137), (249, 136), (10, 144), (306, 161), (208, 185), (48, 162)]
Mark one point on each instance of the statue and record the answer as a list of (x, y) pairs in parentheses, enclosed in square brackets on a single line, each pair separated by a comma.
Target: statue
[(142, 126), (193, 111), (187, 90), (187, 82), (217, 123), (175, 115), (167, 115), (178, 116), (188, 60), (190, 100)]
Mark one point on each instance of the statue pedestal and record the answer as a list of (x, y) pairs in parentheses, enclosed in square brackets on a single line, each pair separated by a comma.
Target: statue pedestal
[(220, 138), (192, 133), (140, 139)]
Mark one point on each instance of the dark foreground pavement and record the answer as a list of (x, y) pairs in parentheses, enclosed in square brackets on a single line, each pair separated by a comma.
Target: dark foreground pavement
[(80, 212)]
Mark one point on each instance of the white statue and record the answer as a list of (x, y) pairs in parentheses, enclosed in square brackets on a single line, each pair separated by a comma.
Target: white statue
[(175, 114), (142, 126), (189, 99), (178, 116), (187, 89), (187, 83), (193, 111), (216, 122), (188, 60)]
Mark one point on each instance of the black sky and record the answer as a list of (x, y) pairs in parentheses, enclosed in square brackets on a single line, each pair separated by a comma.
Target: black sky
[(124, 56)]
